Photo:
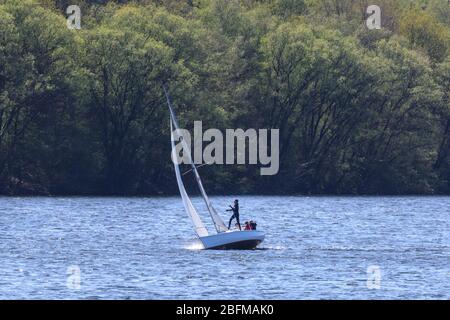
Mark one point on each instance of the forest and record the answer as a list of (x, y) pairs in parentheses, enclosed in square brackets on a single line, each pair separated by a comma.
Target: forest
[(360, 111)]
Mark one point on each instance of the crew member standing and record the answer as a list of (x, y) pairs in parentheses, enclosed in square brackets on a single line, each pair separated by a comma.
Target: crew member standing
[(235, 210)]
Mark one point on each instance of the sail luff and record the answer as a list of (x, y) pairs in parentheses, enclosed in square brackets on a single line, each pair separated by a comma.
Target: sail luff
[(200, 228), (217, 220)]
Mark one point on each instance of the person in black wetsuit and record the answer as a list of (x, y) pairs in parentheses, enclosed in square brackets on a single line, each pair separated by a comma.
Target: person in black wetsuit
[(235, 210)]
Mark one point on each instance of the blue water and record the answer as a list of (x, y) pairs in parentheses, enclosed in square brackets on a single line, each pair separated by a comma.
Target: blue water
[(144, 248)]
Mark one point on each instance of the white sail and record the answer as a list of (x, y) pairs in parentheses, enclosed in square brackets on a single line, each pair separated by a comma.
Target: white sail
[(192, 213), (218, 222)]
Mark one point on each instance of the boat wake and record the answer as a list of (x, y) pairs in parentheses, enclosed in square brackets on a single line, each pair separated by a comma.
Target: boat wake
[(272, 248), (196, 245)]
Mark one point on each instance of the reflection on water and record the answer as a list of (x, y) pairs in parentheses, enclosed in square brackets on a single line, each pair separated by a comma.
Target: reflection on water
[(144, 248)]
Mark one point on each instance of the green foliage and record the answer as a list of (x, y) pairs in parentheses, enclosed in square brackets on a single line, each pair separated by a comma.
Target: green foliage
[(422, 30), (359, 111)]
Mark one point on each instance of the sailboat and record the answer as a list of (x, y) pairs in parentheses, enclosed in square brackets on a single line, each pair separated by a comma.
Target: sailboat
[(224, 238)]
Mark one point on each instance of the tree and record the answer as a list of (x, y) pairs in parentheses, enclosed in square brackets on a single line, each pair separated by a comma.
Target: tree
[(442, 163), (34, 83), (423, 31)]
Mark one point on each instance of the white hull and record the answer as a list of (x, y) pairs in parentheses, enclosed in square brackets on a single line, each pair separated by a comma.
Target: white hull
[(244, 240)]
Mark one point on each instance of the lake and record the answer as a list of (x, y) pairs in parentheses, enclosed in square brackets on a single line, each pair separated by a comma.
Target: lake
[(145, 248)]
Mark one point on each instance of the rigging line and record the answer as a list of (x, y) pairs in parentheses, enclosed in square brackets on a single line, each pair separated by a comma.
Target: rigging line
[(199, 166)]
